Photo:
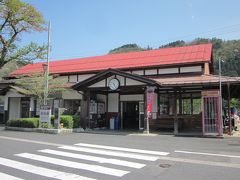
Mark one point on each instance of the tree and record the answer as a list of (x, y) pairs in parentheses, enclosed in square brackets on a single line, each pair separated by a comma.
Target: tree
[(17, 18), (126, 48), (174, 44), (34, 85)]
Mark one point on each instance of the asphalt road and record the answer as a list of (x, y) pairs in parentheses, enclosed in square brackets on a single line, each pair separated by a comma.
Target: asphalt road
[(126, 156)]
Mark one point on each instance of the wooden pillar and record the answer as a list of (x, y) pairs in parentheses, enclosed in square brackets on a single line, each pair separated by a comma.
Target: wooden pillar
[(107, 116), (84, 110), (145, 110), (175, 114)]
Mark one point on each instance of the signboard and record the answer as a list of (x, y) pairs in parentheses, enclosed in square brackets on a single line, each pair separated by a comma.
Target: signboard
[(212, 93), (150, 98), (45, 114), (93, 107), (101, 108)]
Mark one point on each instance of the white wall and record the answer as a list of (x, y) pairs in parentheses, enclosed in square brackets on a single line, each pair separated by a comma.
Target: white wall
[(99, 84), (131, 82), (73, 78), (71, 94), (151, 72), (133, 97), (139, 72), (168, 71), (14, 108), (83, 77), (113, 102), (191, 69)]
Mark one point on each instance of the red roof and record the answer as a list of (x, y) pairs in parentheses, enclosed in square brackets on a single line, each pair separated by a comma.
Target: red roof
[(132, 60)]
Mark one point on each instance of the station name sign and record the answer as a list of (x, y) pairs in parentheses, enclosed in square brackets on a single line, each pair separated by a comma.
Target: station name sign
[(45, 113)]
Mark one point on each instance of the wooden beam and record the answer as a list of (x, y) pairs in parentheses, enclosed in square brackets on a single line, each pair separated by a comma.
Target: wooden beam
[(175, 114)]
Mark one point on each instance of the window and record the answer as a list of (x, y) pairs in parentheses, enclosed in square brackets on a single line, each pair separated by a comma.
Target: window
[(72, 106), (1, 106), (164, 104), (191, 103), (187, 104), (196, 106)]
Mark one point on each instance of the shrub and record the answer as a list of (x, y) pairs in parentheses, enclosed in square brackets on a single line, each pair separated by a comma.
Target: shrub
[(24, 122), (67, 121), (76, 121)]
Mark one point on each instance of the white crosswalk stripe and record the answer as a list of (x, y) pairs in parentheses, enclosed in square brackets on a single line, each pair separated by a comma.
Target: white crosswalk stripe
[(8, 177), (71, 156), (124, 149), (40, 171), (111, 153), (95, 158), (71, 164)]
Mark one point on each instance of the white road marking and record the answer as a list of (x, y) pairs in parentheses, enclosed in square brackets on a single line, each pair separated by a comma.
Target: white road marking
[(40, 170), (208, 154), (95, 158), (76, 165), (200, 162), (8, 177), (111, 153), (124, 149)]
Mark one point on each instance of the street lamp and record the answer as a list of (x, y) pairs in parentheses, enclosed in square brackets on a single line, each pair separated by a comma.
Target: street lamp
[(220, 89)]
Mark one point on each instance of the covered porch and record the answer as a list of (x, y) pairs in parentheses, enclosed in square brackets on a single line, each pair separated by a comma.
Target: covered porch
[(177, 103)]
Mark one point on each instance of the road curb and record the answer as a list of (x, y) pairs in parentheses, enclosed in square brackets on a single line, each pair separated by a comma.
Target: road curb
[(40, 130)]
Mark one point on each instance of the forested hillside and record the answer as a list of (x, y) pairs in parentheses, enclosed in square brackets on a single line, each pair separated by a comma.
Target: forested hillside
[(227, 51)]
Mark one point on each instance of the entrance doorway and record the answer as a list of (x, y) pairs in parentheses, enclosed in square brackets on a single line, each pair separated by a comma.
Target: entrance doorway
[(212, 124), (131, 115), (25, 107)]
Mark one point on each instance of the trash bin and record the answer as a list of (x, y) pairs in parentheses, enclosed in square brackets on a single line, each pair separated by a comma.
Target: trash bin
[(117, 123), (112, 123)]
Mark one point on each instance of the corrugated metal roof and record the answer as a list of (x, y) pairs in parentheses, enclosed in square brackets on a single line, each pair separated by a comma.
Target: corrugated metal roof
[(195, 80), (132, 60)]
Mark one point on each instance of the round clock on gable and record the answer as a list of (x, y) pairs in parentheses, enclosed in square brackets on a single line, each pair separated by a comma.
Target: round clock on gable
[(114, 84)]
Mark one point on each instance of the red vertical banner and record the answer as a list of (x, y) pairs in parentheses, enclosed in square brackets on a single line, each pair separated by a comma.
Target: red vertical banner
[(150, 98)]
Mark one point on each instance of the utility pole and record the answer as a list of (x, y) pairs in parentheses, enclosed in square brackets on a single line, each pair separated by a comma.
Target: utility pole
[(47, 66)]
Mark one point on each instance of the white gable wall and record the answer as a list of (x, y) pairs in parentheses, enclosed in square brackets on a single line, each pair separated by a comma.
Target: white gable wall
[(14, 108), (11, 93), (132, 97)]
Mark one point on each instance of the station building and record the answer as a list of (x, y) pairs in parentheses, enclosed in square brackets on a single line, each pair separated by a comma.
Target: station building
[(186, 93)]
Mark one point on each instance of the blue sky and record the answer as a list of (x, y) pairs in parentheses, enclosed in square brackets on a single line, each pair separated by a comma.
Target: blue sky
[(82, 28)]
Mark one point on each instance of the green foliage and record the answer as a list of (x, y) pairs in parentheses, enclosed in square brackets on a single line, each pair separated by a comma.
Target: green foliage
[(235, 103), (24, 122), (67, 121), (76, 121), (126, 48), (35, 84), (174, 44), (9, 67), (17, 18)]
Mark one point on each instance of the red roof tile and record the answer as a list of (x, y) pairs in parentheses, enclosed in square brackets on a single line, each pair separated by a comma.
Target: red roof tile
[(132, 60)]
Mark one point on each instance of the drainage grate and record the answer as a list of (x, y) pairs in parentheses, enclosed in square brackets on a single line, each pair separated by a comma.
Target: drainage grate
[(165, 165)]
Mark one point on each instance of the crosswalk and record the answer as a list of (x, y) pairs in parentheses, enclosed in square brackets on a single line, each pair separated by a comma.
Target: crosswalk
[(88, 159)]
